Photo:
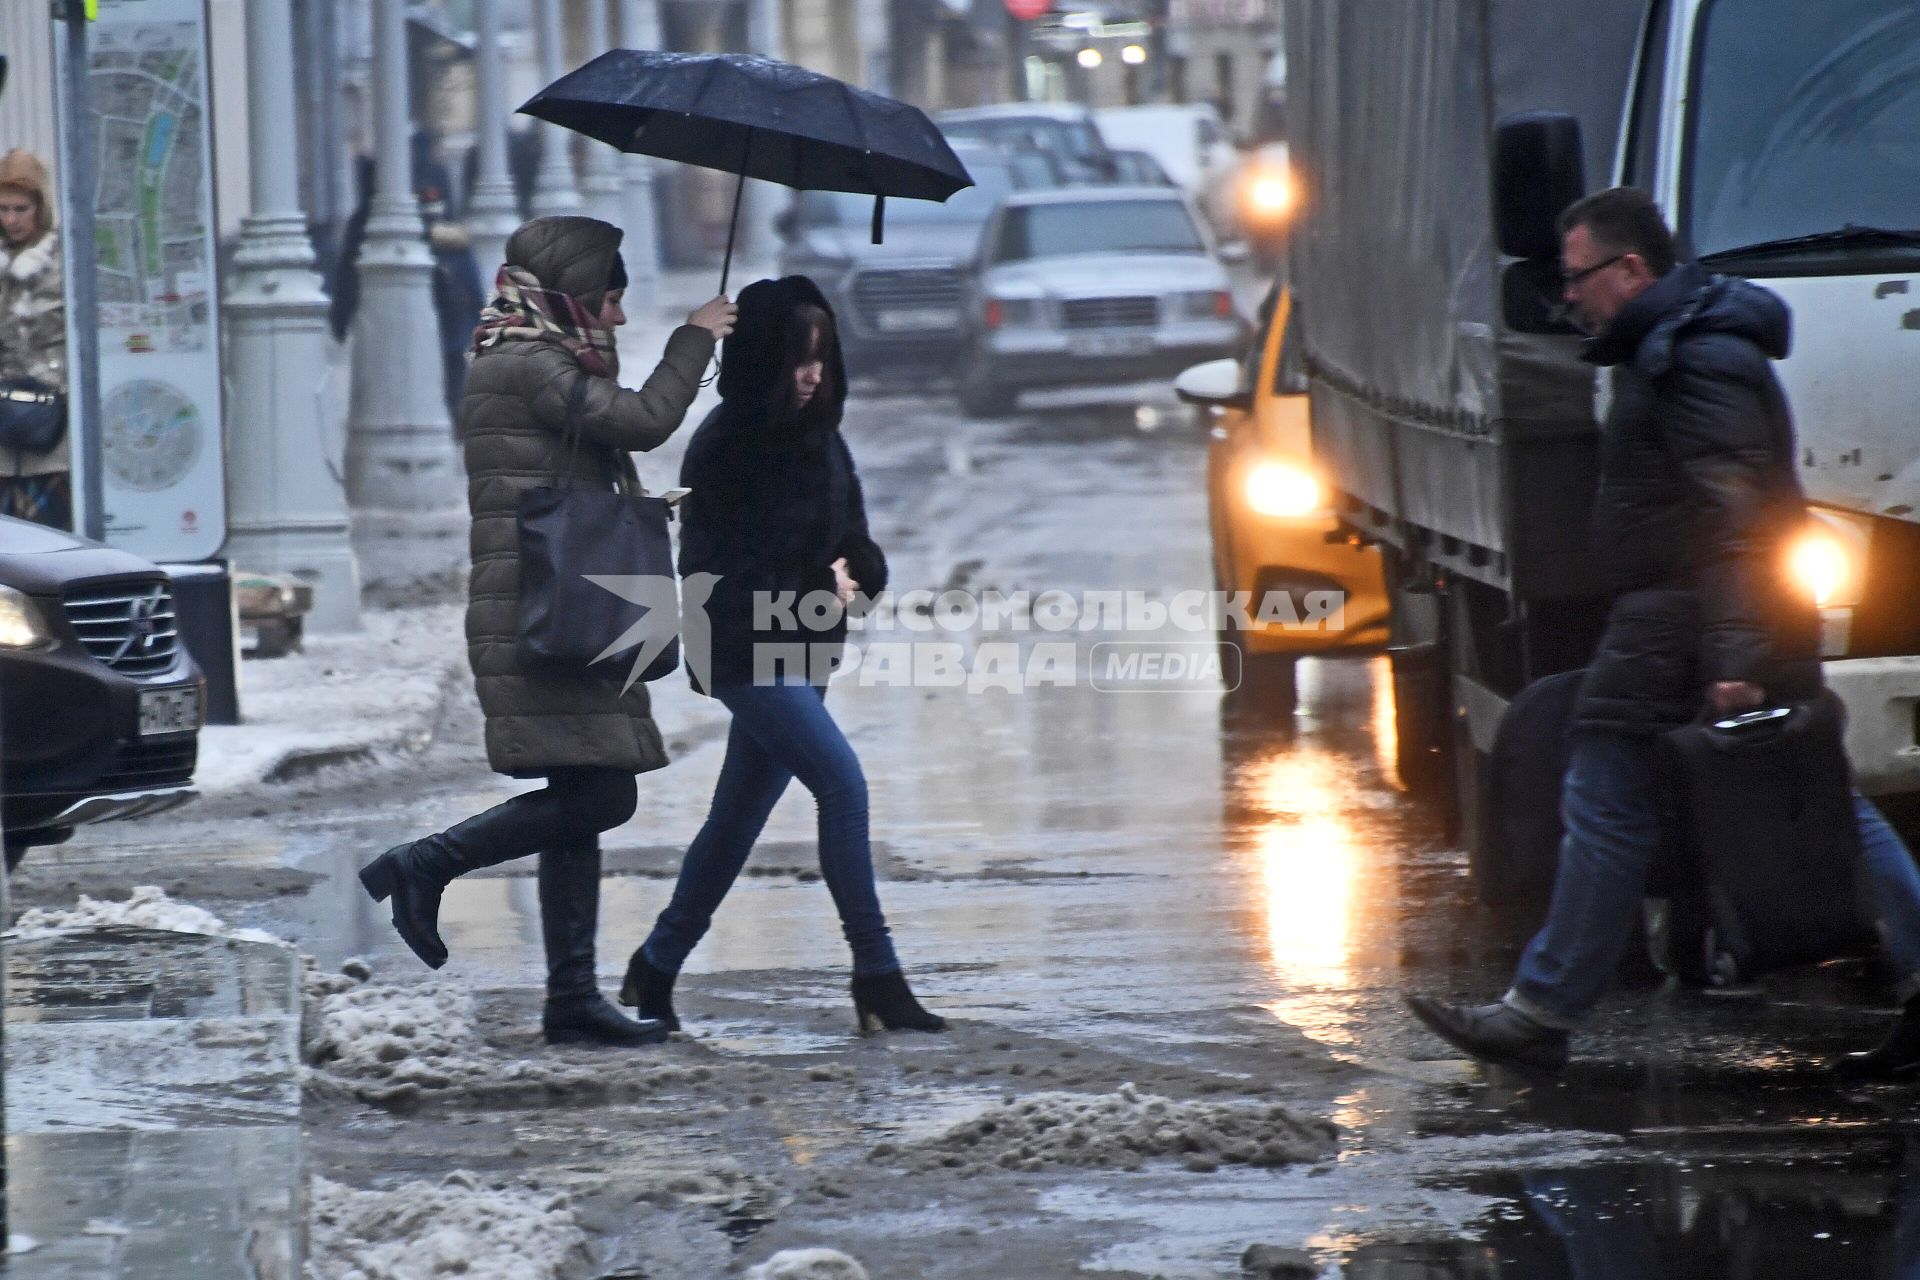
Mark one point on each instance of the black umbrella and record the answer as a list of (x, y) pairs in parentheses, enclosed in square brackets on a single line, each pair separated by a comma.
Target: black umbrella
[(760, 119)]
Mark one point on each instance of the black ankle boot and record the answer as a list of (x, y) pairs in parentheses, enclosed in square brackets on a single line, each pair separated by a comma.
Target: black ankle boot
[(1895, 1058), (414, 875), (884, 1002), (649, 990), (576, 1012)]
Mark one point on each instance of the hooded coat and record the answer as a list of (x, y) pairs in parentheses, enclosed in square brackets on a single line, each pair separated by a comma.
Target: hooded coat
[(511, 422), (33, 310), (1698, 499), (775, 498)]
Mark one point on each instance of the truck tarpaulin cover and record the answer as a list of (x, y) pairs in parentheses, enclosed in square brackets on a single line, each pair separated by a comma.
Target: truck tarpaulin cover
[(1391, 111)]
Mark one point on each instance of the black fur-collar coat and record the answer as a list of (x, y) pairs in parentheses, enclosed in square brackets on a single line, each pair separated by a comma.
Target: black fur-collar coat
[(775, 498)]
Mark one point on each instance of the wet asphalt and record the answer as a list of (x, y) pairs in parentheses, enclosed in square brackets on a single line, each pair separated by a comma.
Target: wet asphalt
[(1209, 895)]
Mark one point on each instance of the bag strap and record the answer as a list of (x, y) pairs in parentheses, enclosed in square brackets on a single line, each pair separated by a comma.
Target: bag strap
[(570, 433)]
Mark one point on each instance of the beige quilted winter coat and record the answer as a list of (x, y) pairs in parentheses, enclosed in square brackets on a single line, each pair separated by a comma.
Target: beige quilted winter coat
[(511, 420)]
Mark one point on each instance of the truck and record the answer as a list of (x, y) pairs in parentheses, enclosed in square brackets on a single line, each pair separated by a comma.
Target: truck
[(1435, 143)]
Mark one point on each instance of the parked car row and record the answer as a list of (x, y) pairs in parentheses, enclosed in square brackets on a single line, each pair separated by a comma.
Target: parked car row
[(1068, 263)]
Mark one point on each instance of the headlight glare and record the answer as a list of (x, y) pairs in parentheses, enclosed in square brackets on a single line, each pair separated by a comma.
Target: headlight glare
[(1282, 490), (1821, 567), (22, 626)]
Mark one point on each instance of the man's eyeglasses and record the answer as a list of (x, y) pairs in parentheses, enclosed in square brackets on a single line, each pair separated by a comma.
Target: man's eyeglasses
[(1570, 278)]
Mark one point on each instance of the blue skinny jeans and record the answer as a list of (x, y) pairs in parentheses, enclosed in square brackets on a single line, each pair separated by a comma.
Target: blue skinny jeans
[(779, 732)]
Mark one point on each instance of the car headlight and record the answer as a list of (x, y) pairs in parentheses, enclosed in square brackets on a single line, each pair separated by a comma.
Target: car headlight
[(22, 626), (1013, 313), (1205, 304), (1269, 196), (1283, 490)]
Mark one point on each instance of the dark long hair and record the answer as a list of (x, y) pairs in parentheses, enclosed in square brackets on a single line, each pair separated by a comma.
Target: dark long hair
[(809, 335)]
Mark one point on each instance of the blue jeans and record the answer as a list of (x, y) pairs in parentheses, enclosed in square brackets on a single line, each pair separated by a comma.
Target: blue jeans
[(780, 732), (1612, 836)]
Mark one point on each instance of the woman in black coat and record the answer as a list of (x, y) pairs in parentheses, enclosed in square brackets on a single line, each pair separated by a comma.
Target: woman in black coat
[(776, 514)]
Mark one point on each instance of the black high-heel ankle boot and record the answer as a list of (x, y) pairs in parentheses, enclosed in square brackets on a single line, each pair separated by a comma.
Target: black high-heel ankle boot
[(884, 1002), (649, 990)]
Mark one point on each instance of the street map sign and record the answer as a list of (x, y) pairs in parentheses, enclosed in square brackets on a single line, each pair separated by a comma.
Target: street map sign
[(164, 463)]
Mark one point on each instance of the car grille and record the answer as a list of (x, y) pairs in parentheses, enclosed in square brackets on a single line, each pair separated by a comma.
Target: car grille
[(152, 764), (1110, 313), (920, 289), (128, 626)]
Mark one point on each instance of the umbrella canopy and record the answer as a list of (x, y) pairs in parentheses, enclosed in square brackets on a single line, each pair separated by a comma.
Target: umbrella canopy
[(758, 118)]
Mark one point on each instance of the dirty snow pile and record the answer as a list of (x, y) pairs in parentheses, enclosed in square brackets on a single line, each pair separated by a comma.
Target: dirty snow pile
[(808, 1264), (393, 1044), (148, 908), (1118, 1131), (459, 1227)]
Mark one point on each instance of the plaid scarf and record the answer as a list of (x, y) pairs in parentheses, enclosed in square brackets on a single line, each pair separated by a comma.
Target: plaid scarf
[(522, 310)]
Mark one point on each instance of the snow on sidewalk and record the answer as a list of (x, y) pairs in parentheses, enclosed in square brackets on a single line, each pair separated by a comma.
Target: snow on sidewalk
[(345, 697)]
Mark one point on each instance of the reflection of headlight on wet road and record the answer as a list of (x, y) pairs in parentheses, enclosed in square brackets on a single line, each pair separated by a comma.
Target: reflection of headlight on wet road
[(1282, 490)]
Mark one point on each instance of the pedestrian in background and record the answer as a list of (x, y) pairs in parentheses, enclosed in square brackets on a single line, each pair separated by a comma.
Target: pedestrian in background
[(35, 484), (544, 354), (775, 508), (1698, 498)]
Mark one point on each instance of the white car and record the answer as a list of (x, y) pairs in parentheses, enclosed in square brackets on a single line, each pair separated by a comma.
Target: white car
[(1191, 143), (1086, 286)]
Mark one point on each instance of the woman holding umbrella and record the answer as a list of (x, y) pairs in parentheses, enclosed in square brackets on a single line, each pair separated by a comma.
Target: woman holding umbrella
[(544, 358), (776, 508)]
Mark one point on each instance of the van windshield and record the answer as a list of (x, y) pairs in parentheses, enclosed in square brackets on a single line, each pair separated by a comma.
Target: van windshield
[(1806, 123), (1096, 226)]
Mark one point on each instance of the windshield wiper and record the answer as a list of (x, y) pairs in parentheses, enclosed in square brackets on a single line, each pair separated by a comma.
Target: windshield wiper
[(1847, 237)]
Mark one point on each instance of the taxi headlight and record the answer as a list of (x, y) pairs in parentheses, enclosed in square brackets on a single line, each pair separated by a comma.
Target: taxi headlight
[(1282, 490), (1269, 195), (22, 626)]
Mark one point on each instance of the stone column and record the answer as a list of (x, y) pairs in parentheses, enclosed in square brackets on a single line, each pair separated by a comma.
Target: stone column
[(286, 501), (640, 29), (493, 211), (400, 455), (601, 186), (554, 191)]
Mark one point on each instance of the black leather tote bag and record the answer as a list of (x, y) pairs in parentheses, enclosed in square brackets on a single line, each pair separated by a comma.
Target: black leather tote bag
[(596, 576), (33, 416)]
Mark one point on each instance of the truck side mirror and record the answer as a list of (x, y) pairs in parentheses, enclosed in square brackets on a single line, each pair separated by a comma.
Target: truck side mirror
[(1538, 170)]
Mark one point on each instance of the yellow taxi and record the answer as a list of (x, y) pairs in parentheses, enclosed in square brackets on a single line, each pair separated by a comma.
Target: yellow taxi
[(1307, 588)]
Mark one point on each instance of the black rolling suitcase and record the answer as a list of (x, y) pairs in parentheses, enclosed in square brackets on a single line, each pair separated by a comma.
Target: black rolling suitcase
[(1766, 868)]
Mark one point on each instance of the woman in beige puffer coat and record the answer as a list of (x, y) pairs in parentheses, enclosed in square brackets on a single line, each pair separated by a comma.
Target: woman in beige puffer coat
[(33, 335), (546, 340)]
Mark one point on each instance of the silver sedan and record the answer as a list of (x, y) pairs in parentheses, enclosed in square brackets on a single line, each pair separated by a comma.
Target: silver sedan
[(1088, 286)]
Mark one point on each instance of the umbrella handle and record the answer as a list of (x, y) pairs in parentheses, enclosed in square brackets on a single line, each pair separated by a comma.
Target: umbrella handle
[(733, 227)]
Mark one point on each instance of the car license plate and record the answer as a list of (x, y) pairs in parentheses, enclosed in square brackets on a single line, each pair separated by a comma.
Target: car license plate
[(1110, 344), (916, 320), (169, 711)]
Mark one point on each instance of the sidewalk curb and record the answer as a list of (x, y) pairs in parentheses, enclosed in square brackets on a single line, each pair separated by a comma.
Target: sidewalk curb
[(412, 740)]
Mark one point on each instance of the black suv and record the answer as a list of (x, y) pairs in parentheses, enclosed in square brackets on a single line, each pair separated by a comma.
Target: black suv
[(100, 703)]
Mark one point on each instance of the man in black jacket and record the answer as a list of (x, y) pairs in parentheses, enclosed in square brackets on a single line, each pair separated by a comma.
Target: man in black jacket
[(1698, 500)]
